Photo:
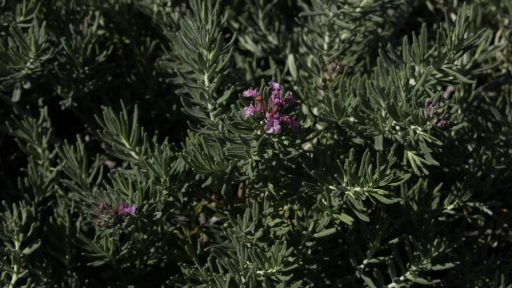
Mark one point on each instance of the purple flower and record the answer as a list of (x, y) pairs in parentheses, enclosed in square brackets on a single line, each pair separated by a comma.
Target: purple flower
[(271, 106), (273, 124), (250, 93), (274, 86), (289, 99), (294, 125), (249, 111), (441, 123), (292, 122), (125, 209), (276, 101)]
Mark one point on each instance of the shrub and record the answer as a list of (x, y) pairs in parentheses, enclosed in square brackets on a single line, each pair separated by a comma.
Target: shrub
[(203, 143)]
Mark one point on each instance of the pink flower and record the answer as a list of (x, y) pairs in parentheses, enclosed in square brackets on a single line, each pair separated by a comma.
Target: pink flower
[(441, 123), (249, 111), (273, 105), (250, 93), (125, 209), (274, 86), (272, 124)]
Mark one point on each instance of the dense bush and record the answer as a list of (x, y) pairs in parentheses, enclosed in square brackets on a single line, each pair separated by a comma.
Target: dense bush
[(313, 143)]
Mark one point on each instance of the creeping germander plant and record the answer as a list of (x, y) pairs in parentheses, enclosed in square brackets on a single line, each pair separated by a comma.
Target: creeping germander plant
[(208, 143)]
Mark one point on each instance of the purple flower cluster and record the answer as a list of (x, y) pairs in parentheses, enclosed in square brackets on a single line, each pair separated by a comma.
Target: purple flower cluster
[(107, 216), (125, 209), (272, 108), (432, 111)]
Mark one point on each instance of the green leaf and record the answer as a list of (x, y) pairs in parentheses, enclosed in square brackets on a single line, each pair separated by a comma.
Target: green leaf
[(368, 281), (30, 249), (98, 263), (384, 199), (325, 233), (457, 75), (422, 281), (296, 284), (291, 65), (379, 143), (16, 92), (444, 266), (345, 218)]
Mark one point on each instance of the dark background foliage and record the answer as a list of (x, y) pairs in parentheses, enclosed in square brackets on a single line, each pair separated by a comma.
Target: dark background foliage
[(398, 177)]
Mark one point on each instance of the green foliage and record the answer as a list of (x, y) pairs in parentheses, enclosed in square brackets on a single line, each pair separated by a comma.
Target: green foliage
[(127, 160), (201, 61), (18, 225), (246, 259)]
